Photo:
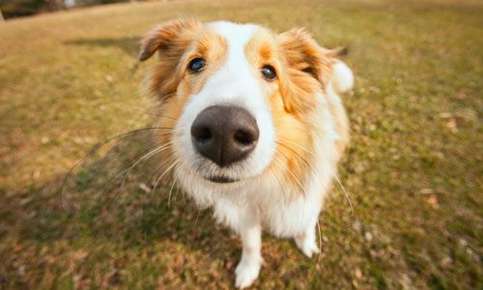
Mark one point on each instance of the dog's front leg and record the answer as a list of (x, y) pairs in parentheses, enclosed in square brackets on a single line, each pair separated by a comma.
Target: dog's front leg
[(306, 241), (251, 258)]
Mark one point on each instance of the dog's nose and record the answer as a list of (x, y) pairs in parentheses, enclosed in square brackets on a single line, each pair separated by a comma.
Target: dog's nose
[(224, 134)]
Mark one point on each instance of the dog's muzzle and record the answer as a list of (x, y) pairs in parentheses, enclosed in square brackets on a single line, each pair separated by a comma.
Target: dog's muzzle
[(224, 134)]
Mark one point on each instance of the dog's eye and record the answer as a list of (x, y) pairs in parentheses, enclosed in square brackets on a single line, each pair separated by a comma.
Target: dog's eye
[(197, 64), (268, 72)]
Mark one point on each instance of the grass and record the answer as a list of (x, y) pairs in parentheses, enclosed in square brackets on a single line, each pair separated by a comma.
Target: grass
[(414, 171)]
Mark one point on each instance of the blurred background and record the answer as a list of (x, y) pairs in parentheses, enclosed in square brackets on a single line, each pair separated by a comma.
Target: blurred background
[(19, 8), (77, 211)]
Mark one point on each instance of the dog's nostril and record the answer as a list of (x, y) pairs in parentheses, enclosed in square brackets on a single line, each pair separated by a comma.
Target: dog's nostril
[(202, 134), (244, 137)]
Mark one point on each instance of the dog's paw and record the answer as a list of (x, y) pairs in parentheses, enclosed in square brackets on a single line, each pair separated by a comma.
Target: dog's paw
[(246, 272), (307, 246)]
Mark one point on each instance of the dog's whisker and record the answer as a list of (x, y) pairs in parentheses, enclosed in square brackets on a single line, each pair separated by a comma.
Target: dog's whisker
[(320, 239), (346, 194), (297, 154), (157, 149), (125, 172), (146, 156), (154, 178), (278, 163), (293, 175), (283, 141), (94, 149), (339, 183), (170, 191), (170, 167)]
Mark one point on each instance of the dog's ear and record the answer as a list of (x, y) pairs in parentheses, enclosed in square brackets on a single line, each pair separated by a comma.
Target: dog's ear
[(170, 38), (308, 68)]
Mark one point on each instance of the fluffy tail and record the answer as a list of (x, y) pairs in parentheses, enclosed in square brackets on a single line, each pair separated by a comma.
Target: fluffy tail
[(342, 77)]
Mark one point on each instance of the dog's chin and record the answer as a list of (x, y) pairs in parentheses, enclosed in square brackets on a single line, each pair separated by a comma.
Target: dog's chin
[(215, 176)]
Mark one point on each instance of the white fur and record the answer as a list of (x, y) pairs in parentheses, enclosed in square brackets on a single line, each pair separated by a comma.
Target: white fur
[(342, 77), (257, 201)]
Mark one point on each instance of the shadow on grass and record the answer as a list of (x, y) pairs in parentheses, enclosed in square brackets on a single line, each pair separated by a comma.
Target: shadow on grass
[(129, 45), (102, 202)]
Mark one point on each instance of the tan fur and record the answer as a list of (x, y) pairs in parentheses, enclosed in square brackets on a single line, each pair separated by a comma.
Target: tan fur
[(304, 56), (294, 144)]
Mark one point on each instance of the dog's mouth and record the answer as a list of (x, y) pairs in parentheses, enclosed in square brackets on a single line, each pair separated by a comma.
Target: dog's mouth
[(221, 179)]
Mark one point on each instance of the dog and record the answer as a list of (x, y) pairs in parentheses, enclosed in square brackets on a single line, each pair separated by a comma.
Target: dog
[(253, 126)]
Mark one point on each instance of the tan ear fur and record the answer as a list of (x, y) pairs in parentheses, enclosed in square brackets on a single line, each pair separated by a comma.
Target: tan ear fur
[(168, 37), (308, 69), (170, 40)]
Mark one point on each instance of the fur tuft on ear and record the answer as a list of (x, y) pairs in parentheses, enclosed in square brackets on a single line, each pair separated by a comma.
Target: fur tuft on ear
[(301, 51), (173, 34), (336, 52), (307, 69), (310, 67), (170, 40)]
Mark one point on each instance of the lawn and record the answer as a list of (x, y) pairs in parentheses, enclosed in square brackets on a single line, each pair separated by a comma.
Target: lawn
[(412, 217)]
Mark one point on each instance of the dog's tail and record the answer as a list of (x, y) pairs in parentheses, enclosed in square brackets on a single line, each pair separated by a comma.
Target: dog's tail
[(342, 77)]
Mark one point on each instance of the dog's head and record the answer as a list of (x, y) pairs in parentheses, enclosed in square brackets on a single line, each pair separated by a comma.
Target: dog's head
[(236, 99)]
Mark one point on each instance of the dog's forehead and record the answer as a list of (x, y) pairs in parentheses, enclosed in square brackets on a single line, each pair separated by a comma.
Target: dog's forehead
[(237, 35)]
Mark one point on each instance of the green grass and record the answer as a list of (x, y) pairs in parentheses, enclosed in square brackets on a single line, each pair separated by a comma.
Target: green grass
[(414, 170)]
